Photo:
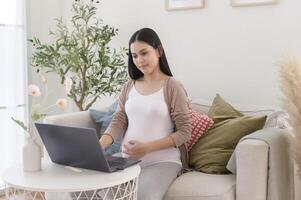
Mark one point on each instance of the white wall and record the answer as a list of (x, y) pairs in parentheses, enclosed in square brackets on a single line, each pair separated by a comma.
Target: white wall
[(230, 50), (224, 49)]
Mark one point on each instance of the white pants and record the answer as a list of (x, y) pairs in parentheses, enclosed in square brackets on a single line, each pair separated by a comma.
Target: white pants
[(154, 180)]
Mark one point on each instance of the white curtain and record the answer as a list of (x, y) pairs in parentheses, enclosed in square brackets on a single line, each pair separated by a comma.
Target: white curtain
[(13, 98)]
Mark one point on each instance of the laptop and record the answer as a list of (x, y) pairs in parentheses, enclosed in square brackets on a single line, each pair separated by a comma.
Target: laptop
[(79, 147)]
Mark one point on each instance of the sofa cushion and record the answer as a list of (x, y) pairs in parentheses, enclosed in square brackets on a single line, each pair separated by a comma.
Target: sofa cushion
[(201, 186), (200, 125), (278, 119), (103, 119), (107, 118), (95, 116), (212, 152)]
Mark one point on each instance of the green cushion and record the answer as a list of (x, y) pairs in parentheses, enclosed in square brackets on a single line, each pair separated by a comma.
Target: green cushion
[(221, 110), (212, 152)]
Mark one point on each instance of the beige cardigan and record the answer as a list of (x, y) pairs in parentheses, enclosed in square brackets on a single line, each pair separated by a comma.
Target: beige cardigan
[(178, 106)]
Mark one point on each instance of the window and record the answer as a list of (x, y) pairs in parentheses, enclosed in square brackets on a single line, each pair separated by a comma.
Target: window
[(12, 81)]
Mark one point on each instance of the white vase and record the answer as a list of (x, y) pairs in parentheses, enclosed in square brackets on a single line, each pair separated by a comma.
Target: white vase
[(31, 156)]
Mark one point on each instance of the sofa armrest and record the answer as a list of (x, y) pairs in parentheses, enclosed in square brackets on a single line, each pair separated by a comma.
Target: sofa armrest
[(77, 119), (252, 170)]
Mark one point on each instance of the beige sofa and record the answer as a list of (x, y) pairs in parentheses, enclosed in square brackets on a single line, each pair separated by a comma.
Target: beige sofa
[(250, 182)]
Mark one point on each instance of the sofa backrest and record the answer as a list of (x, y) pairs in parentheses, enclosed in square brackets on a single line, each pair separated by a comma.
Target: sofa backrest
[(77, 119), (275, 117)]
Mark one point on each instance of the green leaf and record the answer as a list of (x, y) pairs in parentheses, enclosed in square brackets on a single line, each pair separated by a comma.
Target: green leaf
[(20, 123)]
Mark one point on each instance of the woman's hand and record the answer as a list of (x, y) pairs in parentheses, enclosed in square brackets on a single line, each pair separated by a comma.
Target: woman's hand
[(136, 149), (105, 141)]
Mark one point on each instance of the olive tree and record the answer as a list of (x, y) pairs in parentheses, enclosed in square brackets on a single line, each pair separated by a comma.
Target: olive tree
[(80, 54)]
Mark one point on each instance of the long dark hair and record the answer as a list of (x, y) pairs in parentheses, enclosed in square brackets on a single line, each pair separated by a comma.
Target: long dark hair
[(150, 37)]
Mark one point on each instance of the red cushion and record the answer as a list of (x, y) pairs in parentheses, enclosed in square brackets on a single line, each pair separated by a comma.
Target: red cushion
[(200, 125)]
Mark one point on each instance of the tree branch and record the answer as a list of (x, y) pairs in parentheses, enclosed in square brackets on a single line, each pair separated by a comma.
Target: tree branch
[(91, 103)]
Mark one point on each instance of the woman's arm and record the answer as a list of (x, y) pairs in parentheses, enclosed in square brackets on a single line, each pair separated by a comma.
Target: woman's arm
[(119, 121), (177, 100)]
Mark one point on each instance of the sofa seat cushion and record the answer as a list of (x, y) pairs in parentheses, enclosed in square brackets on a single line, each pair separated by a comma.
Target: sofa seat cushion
[(201, 186)]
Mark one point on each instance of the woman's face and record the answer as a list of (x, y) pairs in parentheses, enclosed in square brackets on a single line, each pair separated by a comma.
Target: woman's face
[(145, 57)]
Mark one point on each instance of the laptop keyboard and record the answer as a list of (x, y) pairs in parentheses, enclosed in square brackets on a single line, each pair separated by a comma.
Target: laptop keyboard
[(116, 161)]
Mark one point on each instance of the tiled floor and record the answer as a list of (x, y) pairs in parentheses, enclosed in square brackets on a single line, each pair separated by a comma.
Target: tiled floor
[(3, 198), (19, 198)]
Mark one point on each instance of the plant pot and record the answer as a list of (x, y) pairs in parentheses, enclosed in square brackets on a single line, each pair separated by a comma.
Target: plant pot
[(31, 156)]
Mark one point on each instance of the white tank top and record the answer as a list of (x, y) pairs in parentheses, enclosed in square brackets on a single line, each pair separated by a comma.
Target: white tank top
[(148, 120)]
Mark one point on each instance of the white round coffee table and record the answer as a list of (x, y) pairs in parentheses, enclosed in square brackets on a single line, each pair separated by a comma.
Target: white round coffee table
[(71, 183)]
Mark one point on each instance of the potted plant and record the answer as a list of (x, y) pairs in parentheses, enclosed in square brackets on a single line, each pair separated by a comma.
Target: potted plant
[(31, 151), (81, 56)]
